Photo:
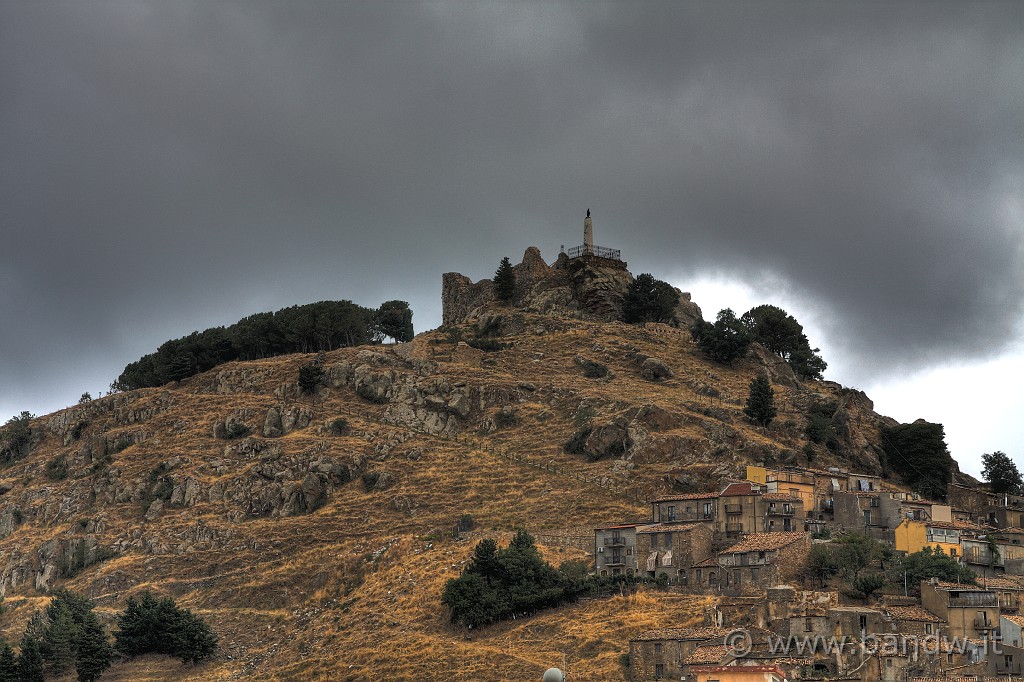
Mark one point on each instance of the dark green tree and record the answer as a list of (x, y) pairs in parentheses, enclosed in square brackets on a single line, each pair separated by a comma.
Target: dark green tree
[(158, 625), (30, 660), (724, 340), (16, 438), (505, 281), (926, 564), (95, 653), (781, 334), (63, 636), (1001, 473), (917, 453), (9, 671), (310, 376), (761, 401), (650, 300), (822, 562), (394, 319)]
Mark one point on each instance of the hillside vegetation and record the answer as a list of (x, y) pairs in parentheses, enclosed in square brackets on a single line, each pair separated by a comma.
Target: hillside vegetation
[(315, 530)]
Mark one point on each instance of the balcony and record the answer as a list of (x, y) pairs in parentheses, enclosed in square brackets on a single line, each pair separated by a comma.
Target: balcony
[(967, 600), (983, 623), (1009, 605), (734, 528), (614, 560), (734, 509), (781, 511), (615, 541)]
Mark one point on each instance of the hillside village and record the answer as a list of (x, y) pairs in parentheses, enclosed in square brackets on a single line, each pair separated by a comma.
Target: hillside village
[(315, 528)]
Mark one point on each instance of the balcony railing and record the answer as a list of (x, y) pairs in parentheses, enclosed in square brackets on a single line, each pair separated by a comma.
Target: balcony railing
[(982, 623), (600, 251), (781, 511), (973, 599), (614, 561), (734, 509), (734, 528), (615, 541)]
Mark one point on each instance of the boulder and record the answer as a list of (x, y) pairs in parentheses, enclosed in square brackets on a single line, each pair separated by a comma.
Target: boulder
[(654, 369)]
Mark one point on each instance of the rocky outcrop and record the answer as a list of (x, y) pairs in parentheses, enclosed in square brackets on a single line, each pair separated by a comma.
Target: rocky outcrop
[(587, 287)]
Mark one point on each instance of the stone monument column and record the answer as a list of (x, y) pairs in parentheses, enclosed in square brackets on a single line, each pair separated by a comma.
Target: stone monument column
[(588, 235)]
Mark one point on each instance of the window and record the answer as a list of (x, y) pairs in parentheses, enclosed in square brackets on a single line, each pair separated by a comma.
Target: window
[(952, 551), (629, 551), (867, 517), (671, 513), (659, 671), (667, 542), (657, 648), (863, 623), (736, 577), (755, 573), (654, 540), (927, 628), (808, 625), (708, 513)]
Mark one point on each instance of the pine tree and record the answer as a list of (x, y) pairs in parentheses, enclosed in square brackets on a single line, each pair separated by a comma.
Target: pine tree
[(30, 661), (62, 638), (9, 671), (761, 401), (95, 653), (505, 281)]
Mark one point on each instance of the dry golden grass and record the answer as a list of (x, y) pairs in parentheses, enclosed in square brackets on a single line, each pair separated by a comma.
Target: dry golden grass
[(303, 597)]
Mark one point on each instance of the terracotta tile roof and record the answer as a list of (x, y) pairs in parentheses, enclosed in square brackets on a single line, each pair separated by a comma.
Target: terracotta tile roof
[(711, 562), (677, 634), (917, 613), (999, 583), (960, 587), (954, 525), (1011, 530), (620, 526), (738, 490), (1018, 620), (761, 542), (711, 653), (688, 496)]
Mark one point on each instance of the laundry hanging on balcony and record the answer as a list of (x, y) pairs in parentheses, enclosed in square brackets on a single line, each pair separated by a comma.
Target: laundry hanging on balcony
[(652, 561)]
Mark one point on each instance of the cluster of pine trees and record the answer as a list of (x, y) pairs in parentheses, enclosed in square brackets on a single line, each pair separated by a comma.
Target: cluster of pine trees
[(317, 327), (68, 634)]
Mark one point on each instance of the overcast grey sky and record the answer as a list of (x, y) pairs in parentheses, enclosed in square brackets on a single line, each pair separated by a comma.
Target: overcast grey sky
[(169, 166)]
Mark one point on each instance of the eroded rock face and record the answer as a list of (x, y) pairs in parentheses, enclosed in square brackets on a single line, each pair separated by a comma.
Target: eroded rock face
[(589, 287)]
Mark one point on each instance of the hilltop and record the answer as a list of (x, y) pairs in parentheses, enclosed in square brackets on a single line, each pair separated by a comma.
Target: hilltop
[(317, 540)]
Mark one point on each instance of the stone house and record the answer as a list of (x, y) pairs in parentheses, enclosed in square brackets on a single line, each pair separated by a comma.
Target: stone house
[(857, 621), (762, 560), (970, 611), (783, 512), (688, 507), (1009, 591), (615, 549), (704, 575), (790, 612), (659, 654), (739, 510), (1010, 659), (672, 548), (914, 620)]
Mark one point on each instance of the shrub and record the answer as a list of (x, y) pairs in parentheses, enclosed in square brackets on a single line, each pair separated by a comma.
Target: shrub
[(338, 427), (370, 479), (57, 468), (78, 429), (505, 418), (18, 515), (16, 438), (123, 442), (310, 376)]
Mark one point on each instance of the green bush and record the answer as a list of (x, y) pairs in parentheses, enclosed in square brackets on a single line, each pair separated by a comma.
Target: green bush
[(235, 429), (16, 438), (310, 376), (158, 626), (338, 427), (78, 429), (650, 300), (724, 340)]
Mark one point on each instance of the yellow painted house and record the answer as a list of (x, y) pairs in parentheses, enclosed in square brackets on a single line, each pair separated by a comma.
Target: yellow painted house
[(913, 536), (785, 481)]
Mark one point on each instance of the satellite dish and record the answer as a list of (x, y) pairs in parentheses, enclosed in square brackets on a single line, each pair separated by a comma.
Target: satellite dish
[(553, 675)]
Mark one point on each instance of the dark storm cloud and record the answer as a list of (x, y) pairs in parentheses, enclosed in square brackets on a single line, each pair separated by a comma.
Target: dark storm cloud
[(170, 166)]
